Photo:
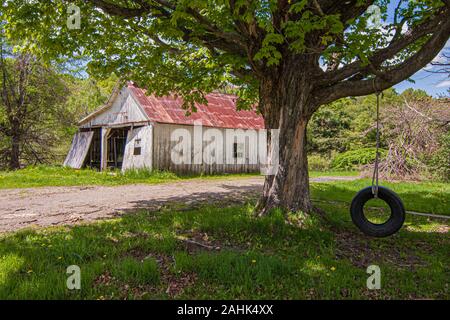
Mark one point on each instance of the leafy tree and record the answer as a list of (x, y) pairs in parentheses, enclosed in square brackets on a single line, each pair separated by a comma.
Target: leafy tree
[(439, 163), (31, 97), (362, 133), (290, 56), (86, 95), (328, 127)]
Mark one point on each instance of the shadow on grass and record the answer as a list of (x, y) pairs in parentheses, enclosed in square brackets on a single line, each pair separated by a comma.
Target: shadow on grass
[(232, 195)]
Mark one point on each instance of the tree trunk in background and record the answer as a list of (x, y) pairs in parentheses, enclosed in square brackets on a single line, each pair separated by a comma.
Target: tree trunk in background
[(14, 161), (285, 106)]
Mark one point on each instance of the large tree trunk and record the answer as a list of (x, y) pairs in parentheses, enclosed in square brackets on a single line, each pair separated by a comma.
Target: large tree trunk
[(285, 105)]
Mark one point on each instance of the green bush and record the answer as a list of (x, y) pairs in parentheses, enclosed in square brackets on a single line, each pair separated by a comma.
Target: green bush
[(439, 165), (355, 158), (318, 163)]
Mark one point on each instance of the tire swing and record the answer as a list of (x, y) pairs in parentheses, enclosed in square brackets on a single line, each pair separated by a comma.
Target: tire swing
[(397, 217)]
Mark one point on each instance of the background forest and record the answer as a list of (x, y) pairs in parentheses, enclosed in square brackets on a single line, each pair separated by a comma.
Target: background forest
[(40, 106), (414, 138)]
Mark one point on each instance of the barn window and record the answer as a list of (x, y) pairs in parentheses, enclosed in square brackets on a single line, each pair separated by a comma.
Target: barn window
[(238, 149), (137, 147)]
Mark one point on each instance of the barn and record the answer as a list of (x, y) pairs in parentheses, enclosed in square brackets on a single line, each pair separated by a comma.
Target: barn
[(134, 130)]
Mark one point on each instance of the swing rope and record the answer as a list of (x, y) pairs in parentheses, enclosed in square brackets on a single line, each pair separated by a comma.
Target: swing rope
[(377, 154)]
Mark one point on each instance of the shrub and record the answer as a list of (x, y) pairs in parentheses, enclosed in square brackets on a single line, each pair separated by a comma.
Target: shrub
[(439, 164), (353, 159), (318, 163)]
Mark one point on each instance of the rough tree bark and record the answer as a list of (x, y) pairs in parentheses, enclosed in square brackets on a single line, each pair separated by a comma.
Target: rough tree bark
[(286, 105), (16, 139), (14, 160)]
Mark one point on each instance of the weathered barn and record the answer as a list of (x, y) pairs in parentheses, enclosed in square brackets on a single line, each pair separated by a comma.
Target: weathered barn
[(134, 130)]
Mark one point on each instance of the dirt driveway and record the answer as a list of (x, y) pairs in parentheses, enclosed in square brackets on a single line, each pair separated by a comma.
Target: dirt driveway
[(20, 208)]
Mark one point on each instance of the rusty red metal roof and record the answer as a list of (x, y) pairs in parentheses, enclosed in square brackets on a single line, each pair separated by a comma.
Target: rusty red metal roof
[(219, 112)]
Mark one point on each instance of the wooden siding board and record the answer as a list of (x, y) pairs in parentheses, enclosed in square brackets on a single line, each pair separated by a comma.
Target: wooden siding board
[(79, 149), (144, 160), (163, 146), (123, 110)]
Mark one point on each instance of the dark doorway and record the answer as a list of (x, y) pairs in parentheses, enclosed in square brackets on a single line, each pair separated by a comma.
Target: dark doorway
[(116, 148), (93, 159), (117, 140)]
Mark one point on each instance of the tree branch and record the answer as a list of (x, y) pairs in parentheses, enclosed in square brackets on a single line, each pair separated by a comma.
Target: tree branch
[(345, 9), (214, 36), (390, 77), (117, 10), (380, 56)]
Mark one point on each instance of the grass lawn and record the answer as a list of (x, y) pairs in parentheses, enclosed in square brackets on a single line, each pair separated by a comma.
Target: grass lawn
[(42, 176), (333, 173), (223, 252), (431, 197)]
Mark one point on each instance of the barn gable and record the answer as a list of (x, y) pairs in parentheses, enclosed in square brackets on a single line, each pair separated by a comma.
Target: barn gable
[(121, 109)]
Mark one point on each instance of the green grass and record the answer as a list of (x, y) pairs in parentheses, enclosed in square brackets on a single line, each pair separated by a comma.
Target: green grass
[(136, 272), (42, 176), (333, 173), (146, 256), (431, 197)]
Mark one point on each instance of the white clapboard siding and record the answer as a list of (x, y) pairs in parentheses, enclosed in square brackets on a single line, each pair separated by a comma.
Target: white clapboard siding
[(79, 149), (138, 138), (165, 151)]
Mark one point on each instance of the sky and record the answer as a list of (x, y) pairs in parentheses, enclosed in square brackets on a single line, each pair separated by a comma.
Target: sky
[(433, 83)]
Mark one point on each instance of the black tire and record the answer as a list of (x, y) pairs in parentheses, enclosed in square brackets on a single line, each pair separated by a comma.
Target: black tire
[(391, 226)]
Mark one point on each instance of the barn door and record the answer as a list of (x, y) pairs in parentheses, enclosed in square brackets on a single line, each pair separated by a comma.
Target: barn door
[(138, 149), (79, 149)]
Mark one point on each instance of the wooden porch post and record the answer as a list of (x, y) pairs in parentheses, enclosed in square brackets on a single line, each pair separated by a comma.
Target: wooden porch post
[(104, 148)]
